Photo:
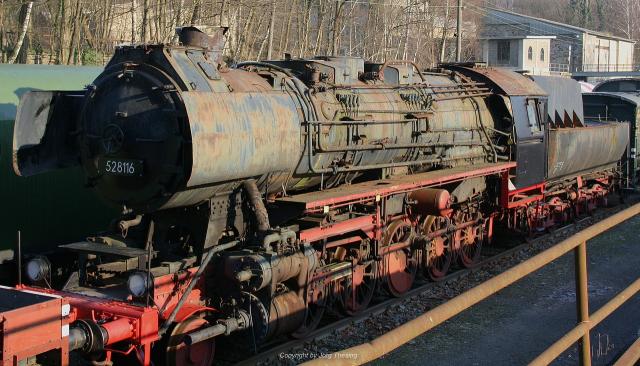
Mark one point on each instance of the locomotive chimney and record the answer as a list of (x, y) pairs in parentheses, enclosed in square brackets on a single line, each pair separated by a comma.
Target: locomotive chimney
[(194, 37)]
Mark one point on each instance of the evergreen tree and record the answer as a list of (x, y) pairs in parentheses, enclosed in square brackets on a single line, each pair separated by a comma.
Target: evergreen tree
[(601, 14), (585, 14), (579, 13)]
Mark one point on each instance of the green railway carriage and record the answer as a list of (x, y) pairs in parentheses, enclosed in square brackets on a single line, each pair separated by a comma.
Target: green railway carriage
[(50, 208)]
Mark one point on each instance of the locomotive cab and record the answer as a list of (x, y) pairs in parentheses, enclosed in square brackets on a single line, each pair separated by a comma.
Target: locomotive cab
[(529, 123), (526, 105)]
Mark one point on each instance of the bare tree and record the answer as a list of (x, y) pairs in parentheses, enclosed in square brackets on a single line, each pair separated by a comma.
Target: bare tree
[(82, 31), (23, 32), (134, 8)]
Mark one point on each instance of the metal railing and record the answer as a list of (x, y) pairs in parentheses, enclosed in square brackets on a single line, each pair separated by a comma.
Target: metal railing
[(577, 243), (606, 67), (559, 68)]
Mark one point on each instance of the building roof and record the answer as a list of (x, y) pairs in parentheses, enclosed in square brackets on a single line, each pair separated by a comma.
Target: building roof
[(563, 25), (517, 37)]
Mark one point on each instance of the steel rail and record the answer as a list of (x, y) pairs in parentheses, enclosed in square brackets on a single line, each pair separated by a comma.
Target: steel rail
[(390, 341)]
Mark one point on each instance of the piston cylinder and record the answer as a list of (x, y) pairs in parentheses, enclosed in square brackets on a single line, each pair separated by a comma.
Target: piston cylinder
[(255, 271)]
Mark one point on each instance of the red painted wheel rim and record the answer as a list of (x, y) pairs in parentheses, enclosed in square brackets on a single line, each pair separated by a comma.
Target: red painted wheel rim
[(399, 268), (470, 241), (437, 252)]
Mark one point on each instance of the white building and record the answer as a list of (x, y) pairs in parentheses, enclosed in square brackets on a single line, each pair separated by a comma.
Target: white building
[(570, 49), (527, 53)]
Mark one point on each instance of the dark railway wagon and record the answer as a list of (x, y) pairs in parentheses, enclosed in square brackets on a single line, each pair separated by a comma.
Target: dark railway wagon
[(53, 206), (253, 198), (618, 107), (618, 85)]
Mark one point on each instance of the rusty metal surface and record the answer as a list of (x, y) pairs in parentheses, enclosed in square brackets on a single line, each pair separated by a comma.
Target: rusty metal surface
[(242, 81), (262, 122), (509, 82), (575, 150), (618, 107), (564, 105), (236, 136), (397, 337), (420, 124), (192, 36)]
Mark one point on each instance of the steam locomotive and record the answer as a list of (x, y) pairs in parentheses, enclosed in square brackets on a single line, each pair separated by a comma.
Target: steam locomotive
[(255, 197)]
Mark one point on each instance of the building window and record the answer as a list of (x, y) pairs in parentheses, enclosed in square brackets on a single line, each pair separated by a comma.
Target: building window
[(504, 50), (530, 53), (542, 54)]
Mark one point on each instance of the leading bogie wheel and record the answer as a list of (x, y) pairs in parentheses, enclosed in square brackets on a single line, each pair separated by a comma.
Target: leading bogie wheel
[(359, 288), (316, 296), (180, 354)]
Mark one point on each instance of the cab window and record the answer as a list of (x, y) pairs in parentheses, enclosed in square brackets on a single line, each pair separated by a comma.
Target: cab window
[(532, 112)]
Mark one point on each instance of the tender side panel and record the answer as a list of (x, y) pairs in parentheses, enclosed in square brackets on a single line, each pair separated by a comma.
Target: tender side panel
[(577, 150)]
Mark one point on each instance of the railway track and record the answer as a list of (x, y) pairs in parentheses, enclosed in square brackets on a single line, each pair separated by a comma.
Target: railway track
[(491, 254)]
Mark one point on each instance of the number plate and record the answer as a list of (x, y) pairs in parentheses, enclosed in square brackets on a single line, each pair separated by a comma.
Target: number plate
[(126, 167)]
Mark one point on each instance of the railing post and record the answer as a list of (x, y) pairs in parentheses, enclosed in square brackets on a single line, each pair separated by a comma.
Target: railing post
[(582, 300)]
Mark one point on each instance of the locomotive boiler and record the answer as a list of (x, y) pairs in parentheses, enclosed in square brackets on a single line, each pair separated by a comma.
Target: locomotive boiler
[(257, 196)]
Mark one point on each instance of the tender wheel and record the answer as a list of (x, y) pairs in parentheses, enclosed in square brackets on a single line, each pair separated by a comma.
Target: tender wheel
[(399, 265), (470, 244), (358, 290), (199, 354), (437, 254)]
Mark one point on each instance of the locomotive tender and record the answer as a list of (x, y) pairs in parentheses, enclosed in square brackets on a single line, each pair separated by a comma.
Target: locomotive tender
[(255, 197)]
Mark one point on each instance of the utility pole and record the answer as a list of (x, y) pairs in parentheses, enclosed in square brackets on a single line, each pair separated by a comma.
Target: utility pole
[(459, 33), (443, 45), (273, 16)]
